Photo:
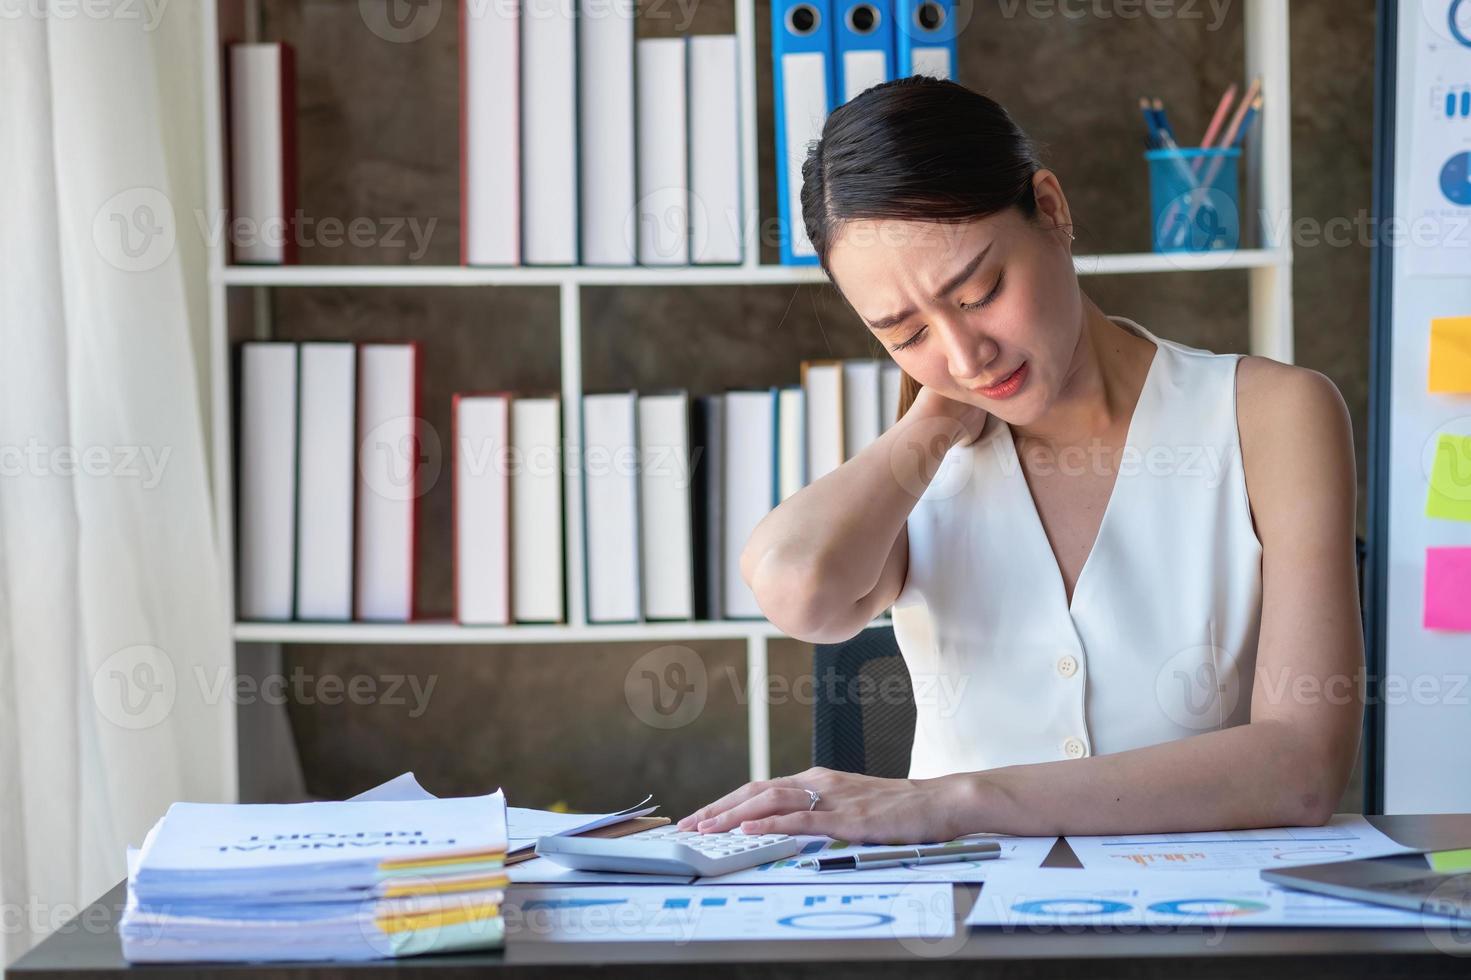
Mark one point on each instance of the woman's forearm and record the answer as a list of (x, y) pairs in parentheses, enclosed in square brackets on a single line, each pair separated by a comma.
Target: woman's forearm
[(1262, 774), (822, 550)]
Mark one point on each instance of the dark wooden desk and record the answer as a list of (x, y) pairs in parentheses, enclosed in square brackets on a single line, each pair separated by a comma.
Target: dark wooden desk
[(88, 947)]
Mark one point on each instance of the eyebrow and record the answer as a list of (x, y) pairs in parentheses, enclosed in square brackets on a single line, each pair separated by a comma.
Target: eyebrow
[(894, 319)]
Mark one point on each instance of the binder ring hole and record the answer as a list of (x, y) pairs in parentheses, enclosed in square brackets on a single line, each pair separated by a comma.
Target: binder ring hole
[(803, 19), (929, 16), (863, 18)]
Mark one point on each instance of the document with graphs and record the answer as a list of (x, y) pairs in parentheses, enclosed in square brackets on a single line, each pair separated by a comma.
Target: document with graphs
[(1346, 837)]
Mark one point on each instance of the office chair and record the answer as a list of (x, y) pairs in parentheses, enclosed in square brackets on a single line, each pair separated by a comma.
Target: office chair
[(863, 712)]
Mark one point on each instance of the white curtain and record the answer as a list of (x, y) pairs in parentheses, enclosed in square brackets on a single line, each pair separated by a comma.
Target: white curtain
[(114, 649)]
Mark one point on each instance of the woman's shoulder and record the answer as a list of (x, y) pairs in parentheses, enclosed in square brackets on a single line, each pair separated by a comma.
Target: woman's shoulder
[(1269, 392), (1296, 436)]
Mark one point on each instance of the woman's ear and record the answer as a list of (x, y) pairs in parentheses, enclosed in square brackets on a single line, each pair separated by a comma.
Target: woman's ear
[(1053, 212)]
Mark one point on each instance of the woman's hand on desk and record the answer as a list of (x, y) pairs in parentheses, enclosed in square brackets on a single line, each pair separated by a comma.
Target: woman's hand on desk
[(851, 807)]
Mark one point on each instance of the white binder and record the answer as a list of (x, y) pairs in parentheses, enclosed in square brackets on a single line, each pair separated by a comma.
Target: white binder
[(326, 480), (549, 132), (663, 153), (610, 499), (605, 43), (482, 509), (750, 487), (667, 559), (490, 133), (715, 150), (267, 479)]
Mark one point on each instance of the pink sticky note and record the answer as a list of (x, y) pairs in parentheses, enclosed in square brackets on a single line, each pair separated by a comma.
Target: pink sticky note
[(1448, 589)]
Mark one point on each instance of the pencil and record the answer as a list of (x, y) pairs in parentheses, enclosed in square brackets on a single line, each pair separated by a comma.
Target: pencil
[(1252, 100)]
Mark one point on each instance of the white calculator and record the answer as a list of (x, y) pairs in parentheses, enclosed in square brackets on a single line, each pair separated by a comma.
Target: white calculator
[(668, 851)]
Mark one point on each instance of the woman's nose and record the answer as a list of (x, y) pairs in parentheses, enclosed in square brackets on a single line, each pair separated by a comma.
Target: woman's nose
[(968, 356)]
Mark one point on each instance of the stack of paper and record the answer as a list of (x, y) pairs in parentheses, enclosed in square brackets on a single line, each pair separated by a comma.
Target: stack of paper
[(315, 881)]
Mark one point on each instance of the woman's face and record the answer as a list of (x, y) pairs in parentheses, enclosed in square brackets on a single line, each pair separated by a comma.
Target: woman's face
[(987, 312)]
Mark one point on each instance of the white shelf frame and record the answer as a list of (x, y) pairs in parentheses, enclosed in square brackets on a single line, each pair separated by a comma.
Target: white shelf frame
[(1271, 326), (447, 632)]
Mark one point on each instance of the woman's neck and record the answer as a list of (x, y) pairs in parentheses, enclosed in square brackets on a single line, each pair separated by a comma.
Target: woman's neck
[(1101, 385)]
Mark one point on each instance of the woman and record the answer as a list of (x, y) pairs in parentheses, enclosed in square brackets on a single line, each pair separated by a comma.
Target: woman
[(1121, 569)]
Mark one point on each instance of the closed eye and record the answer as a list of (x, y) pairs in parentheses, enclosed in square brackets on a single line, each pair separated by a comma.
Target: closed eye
[(990, 298), (979, 304)]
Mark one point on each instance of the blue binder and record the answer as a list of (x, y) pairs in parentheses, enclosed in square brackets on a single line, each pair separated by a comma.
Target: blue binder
[(925, 31), (863, 44), (801, 65)]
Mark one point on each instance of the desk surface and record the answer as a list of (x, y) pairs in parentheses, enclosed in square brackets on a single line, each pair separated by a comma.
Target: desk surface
[(88, 946)]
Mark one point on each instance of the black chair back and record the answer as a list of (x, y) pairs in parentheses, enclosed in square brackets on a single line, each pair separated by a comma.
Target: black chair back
[(863, 714)]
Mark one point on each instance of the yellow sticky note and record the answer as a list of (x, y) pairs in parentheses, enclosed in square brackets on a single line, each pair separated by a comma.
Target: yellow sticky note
[(1450, 860), (1450, 480), (1450, 354)]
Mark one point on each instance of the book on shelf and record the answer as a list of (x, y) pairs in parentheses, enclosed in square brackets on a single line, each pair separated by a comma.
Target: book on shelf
[(481, 426), (549, 132), (490, 134), (388, 488), (326, 470), (791, 450), (822, 385), (611, 510), (667, 545), (262, 126), (266, 489), (750, 487), (716, 217), (663, 152), (707, 508), (890, 378), (605, 77), (862, 399), (536, 509)]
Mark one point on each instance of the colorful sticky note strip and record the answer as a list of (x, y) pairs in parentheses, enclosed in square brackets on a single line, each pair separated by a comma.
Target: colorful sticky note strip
[(1450, 355), (1450, 479), (1450, 860), (1448, 589)]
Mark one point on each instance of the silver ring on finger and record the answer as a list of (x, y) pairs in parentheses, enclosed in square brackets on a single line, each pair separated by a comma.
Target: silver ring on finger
[(813, 798)]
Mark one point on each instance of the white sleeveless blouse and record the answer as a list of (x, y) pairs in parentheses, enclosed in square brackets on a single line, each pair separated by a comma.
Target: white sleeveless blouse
[(1160, 639)]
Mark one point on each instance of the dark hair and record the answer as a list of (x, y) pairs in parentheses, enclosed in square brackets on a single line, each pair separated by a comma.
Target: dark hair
[(915, 149)]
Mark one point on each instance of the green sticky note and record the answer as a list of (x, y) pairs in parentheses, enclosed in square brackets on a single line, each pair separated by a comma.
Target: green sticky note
[(1450, 480), (1450, 860)]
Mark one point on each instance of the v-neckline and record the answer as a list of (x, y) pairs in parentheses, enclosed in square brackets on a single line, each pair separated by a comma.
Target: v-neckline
[(1070, 603)]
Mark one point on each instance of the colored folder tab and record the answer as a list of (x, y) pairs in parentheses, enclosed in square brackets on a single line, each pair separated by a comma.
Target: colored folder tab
[(1449, 496), (1449, 861), (863, 42), (1448, 589), (1450, 355), (925, 32), (801, 60)]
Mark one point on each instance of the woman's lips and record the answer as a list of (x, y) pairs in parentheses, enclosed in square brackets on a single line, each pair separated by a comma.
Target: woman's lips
[(1007, 386)]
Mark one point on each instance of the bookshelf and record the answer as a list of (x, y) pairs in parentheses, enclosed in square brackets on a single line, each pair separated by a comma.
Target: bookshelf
[(1268, 268)]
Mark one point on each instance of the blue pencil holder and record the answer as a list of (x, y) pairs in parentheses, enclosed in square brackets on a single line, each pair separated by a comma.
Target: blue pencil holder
[(1194, 200)]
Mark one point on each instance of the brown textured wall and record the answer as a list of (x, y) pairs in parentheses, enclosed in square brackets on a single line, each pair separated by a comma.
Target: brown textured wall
[(378, 138)]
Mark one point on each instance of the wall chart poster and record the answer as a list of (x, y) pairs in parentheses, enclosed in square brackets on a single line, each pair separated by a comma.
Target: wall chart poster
[(1437, 235)]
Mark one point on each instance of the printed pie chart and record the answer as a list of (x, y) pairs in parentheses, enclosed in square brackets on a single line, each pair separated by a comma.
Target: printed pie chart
[(1455, 179), (835, 920), (1214, 908), (1071, 906)]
